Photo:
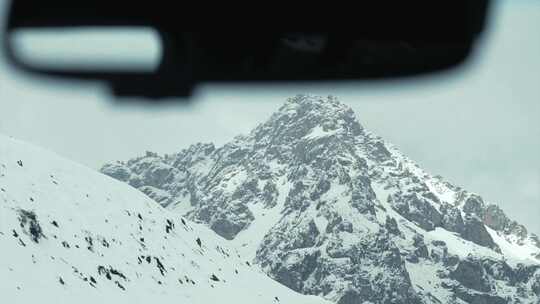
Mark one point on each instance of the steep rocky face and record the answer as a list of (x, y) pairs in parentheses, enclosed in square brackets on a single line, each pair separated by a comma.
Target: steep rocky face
[(327, 208)]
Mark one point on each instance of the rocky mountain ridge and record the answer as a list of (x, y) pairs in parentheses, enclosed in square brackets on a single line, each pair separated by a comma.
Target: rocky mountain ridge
[(327, 208)]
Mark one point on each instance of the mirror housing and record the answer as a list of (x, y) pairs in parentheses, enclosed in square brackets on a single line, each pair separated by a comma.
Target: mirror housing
[(407, 42)]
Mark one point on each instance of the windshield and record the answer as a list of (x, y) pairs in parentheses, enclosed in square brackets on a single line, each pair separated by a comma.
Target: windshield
[(473, 128)]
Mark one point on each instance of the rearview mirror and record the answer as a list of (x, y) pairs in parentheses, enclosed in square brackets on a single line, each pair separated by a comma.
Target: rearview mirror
[(385, 44)]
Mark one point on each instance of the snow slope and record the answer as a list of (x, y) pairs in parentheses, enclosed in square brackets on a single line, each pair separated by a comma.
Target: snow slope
[(72, 235)]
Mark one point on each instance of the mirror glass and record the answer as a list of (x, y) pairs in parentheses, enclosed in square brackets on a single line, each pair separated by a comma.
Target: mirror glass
[(88, 48)]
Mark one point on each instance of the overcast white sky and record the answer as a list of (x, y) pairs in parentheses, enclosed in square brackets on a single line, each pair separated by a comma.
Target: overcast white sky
[(478, 127)]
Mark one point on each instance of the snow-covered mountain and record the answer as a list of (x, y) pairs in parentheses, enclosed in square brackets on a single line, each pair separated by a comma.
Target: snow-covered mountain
[(69, 234), (327, 208)]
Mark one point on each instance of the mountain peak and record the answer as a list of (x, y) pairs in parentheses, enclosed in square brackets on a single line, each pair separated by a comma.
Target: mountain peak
[(308, 117), (308, 101), (316, 107)]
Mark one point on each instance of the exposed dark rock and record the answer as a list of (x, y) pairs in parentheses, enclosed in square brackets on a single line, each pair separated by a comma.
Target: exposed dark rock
[(416, 210), (350, 297), (119, 285), (29, 223), (495, 218), (471, 274), (474, 205), (226, 228), (475, 231), (480, 298), (160, 266), (117, 171), (452, 219), (471, 227), (392, 226)]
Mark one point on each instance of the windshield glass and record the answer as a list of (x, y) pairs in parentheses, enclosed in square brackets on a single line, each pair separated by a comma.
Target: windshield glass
[(474, 128)]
